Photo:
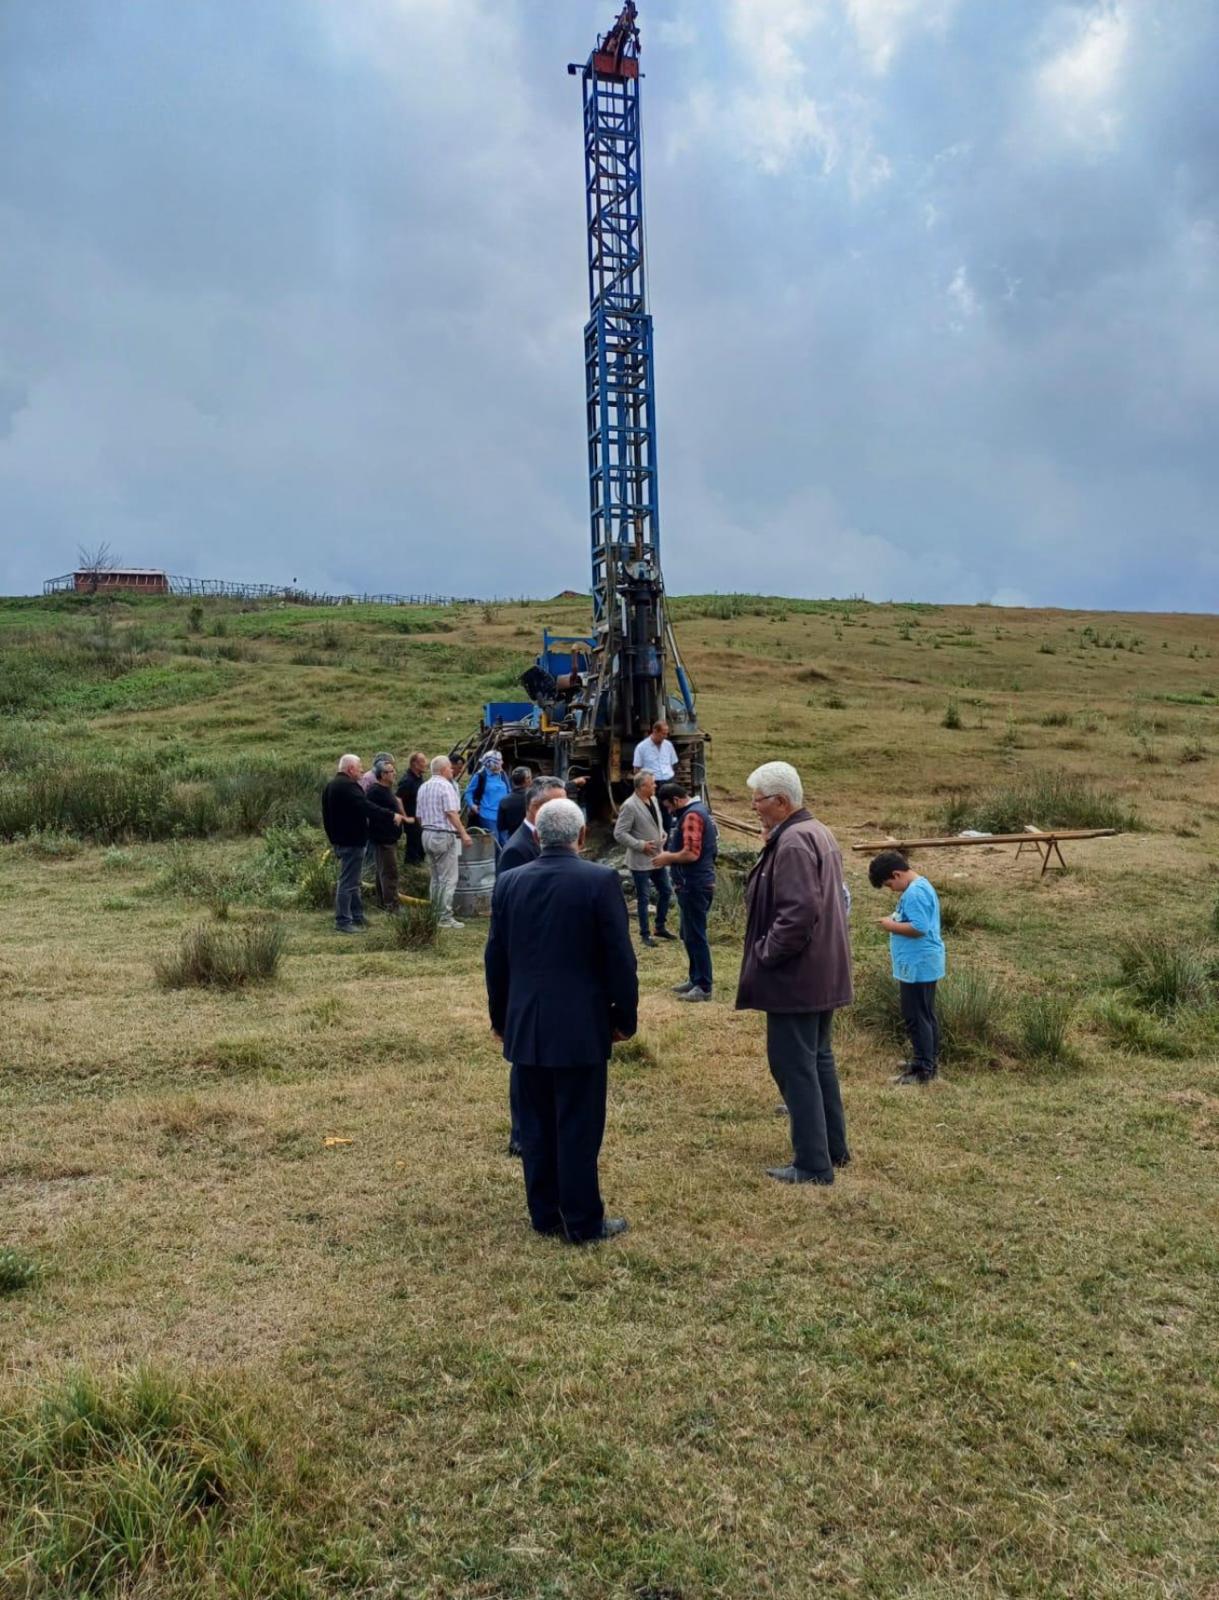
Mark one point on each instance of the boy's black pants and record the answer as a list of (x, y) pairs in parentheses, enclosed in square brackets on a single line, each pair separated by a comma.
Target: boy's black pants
[(922, 1024)]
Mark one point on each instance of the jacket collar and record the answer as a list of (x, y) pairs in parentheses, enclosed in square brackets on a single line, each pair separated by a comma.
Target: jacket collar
[(803, 814)]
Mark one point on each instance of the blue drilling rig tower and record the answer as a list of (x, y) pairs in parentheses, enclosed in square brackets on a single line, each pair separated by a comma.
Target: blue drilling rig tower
[(594, 696)]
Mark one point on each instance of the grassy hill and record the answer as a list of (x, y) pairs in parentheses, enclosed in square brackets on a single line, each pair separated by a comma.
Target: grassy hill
[(241, 1359)]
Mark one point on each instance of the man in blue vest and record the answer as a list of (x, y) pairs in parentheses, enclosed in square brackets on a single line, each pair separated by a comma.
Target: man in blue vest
[(693, 845)]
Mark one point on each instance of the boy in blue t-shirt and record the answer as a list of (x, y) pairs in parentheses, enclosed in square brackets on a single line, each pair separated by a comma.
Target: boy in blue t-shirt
[(917, 952)]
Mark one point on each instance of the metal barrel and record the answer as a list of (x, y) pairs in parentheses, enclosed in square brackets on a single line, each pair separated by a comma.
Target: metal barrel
[(475, 877)]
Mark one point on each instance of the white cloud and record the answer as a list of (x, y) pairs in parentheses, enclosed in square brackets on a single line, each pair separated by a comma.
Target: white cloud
[(962, 299), (881, 26), (1079, 86), (777, 119)]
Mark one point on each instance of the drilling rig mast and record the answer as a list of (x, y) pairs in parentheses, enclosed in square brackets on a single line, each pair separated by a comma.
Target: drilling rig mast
[(594, 696)]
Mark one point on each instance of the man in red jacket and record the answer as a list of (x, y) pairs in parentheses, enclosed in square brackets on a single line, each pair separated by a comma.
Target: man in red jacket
[(797, 968)]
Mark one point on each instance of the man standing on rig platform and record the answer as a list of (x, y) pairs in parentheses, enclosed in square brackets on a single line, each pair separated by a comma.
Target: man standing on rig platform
[(655, 754)]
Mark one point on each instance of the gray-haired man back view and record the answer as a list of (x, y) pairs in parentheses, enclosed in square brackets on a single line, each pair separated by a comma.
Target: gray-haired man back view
[(561, 987)]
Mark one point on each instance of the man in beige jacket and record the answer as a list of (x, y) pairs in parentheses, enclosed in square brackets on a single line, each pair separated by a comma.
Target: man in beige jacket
[(640, 828)]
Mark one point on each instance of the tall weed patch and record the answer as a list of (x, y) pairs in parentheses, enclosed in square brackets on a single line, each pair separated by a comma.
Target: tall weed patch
[(220, 957), (974, 1025), (147, 795), (1165, 975), (1045, 799), (141, 1486)]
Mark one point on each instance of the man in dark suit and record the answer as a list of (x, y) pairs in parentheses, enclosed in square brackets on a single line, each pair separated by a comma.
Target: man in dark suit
[(521, 848), (523, 845), (515, 803), (561, 988)]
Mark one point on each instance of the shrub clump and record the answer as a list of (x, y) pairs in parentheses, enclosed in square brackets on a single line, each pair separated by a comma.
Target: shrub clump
[(1139, 1032), (974, 1024), (220, 957), (17, 1271), (415, 927), (1042, 1027), (727, 916), (1045, 799), (142, 1486), (1166, 975)]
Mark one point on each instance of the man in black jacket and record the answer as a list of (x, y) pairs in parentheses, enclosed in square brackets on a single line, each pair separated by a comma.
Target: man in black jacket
[(515, 803), (561, 987), (345, 819), (408, 793), (386, 818), (523, 845)]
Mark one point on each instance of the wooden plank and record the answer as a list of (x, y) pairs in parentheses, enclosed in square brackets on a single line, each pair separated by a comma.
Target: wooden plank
[(1048, 837)]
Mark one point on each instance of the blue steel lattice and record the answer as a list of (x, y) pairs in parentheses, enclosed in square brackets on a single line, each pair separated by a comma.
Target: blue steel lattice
[(622, 476)]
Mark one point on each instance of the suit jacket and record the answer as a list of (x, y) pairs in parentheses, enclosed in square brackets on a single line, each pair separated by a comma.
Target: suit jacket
[(512, 810), (797, 946), (522, 847), (560, 967), (639, 822)]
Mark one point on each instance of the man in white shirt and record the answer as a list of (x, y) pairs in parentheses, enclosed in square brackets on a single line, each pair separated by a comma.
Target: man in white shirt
[(656, 755), (438, 809)]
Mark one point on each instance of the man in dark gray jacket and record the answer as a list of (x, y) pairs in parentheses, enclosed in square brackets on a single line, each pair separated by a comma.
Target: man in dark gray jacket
[(797, 968)]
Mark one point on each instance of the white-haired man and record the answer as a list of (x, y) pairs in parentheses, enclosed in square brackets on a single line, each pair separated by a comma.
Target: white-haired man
[(797, 968), (438, 809), (345, 819), (561, 987)]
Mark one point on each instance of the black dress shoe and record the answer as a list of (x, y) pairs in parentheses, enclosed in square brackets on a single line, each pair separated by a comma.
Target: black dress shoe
[(663, 933), (916, 1075), (647, 939), (797, 1175), (610, 1229)]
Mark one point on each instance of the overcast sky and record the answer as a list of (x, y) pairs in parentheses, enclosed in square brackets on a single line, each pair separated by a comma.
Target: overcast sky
[(294, 289)]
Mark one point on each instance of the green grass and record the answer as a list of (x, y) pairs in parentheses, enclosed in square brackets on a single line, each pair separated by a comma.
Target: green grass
[(1164, 974), (223, 958), (18, 1271), (982, 1364), (1043, 1023), (1047, 799), (147, 1485)]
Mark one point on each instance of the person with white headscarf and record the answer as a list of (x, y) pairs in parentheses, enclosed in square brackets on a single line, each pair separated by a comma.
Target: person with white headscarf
[(487, 788)]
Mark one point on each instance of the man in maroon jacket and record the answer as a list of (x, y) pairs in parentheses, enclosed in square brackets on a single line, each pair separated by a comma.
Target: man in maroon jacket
[(797, 968)]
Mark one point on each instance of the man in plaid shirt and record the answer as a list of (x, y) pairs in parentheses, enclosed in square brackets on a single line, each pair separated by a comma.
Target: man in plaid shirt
[(438, 811), (692, 848)]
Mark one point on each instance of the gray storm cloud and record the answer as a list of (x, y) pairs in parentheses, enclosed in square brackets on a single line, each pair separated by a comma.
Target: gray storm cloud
[(297, 291)]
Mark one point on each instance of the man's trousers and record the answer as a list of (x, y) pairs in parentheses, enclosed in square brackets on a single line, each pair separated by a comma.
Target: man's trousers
[(922, 1024), (387, 876), (656, 878), (349, 897), (695, 905), (443, 850), (562, 1112), (801, 1062)]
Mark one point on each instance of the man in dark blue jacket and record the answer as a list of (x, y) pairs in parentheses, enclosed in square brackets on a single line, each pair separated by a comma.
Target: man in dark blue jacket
[(522, 848), (522, 845), (561, 988)]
